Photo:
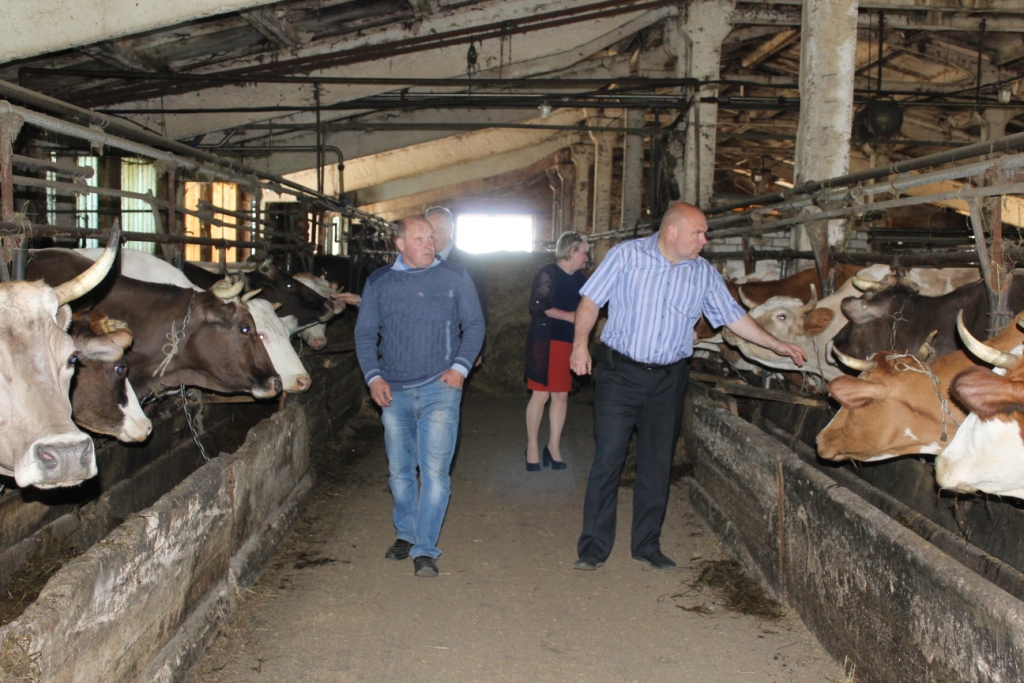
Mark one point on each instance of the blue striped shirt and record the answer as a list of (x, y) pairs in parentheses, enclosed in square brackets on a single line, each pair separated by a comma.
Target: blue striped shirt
[(654, 305)]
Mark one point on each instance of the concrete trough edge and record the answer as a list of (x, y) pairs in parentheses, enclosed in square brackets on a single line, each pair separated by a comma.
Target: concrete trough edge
[(868, 588), (68, 624)]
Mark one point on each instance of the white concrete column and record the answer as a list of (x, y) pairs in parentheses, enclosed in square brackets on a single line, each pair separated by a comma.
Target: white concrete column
[(604, 146), (696, 41), (632, 171), (567, 173), (583, 159), (827, 70)]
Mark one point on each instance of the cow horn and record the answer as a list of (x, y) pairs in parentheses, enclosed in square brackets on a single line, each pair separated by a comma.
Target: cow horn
[(811, 303), (250, 294), (277, 305), (909, 284), (983, 351), (867, 285), (854, 363), (107, 325), (926, 349), (77, 287), (744, 300), (265, 265), (226, 290)]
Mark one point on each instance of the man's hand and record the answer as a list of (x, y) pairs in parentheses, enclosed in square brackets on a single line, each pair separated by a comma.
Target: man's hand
[(795, 352), (339, 299), (453, 378), (580, 361), (380, 392)]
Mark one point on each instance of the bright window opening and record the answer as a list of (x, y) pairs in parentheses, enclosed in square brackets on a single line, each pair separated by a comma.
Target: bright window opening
[(480, 233)]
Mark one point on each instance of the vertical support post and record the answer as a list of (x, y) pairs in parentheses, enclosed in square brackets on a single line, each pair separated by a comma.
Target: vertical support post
[(583, 158), (632, 170), (10, 126), (604, 144), (555, 183), (567, 174), (827, 71)]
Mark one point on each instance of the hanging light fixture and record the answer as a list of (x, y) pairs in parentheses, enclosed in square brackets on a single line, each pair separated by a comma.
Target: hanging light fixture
[(1004, 95), (545, 110)]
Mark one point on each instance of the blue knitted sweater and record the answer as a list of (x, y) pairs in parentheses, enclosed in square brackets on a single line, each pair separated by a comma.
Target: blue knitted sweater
[(415, 324)]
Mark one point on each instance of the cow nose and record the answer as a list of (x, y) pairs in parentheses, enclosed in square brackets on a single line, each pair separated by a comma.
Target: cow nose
[(319, 343), (303, 382), (50, 456)]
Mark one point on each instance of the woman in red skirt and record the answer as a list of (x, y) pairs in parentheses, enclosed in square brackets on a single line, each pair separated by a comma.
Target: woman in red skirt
[(553, 300)]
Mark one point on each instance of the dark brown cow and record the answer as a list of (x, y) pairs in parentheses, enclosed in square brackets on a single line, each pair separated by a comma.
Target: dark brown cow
[(218, 348), (102, 398)]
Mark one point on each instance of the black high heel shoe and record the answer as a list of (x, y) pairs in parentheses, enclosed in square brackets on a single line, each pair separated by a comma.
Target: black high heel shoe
[(532, 466), (551, 462)]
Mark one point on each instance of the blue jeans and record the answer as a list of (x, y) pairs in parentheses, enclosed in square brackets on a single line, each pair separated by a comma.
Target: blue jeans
[(420, 428)]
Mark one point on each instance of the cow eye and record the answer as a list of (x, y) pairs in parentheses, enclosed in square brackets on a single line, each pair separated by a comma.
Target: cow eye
[(782, 316), (73, 360), (246, 329), (288, 285), (120, 368)]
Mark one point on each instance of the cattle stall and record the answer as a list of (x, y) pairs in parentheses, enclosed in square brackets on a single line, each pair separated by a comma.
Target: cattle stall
[(905, 583), (143, 602)]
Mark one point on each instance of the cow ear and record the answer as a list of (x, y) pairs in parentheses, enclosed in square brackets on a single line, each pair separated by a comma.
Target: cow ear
[(64, 317), (852, 392), (817, 320)]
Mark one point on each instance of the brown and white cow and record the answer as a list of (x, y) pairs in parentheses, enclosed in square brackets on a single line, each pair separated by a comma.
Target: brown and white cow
[(41, 445), (218, 349), (102, 398), (987, 453), (896, 406)]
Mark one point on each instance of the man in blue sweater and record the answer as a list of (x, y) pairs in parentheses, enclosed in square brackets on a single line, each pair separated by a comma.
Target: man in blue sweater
[(419, 330)]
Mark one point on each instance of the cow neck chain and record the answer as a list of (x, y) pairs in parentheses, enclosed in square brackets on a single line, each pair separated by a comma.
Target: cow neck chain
[(901, 366), (897, 318), (174, 337), (191, 424)]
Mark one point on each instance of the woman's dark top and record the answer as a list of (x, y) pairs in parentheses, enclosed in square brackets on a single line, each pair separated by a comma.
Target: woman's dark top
[(552, 288)]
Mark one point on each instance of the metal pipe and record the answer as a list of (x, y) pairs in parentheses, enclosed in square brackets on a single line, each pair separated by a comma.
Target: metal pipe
[(277, 183), (1006, 143), (58, 168), (841, 194), (845, 212), (8, 228)]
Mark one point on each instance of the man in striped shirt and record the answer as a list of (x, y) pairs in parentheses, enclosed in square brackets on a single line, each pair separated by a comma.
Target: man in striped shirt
[(656, 288)]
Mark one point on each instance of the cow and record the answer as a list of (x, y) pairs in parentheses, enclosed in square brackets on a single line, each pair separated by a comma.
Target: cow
[(810, 326), (797, 286), (182, 336), (898, 405), (275, 286), (987, 453), (272, 330), (41, 445), (102, 398), (898, 317), (316, 335)]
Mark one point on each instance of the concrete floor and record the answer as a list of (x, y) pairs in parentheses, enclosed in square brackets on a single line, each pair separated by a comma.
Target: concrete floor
[(507, 606)]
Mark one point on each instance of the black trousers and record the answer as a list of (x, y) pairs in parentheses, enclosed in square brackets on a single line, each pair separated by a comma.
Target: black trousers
[(629, 395)]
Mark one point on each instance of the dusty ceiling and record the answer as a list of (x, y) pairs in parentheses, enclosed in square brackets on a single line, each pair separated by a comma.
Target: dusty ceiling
[(368, 77)]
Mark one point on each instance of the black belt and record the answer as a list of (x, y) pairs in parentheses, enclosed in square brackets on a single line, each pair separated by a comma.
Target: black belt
[(646, 366)]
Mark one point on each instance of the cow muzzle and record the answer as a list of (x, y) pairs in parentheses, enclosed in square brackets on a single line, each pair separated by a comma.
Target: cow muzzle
[(271, 387), (62, 460)]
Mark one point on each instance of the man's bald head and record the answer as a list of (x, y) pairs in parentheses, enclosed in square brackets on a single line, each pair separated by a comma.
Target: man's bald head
[(682, 233)]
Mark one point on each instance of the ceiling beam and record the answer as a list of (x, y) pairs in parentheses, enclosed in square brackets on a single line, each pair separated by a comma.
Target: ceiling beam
[(769, 48), (45, 26), (272, 27)]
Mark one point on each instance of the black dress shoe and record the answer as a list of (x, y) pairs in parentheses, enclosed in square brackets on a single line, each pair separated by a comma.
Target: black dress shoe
[(531, 466), (656, 559), (424, 566), (551, 462), (399, 550), (588, 563)]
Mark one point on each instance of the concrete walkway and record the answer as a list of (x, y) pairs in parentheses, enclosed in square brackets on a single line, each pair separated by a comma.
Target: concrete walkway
[(507, 606)]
